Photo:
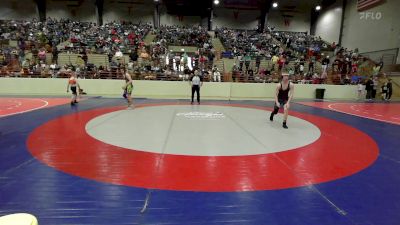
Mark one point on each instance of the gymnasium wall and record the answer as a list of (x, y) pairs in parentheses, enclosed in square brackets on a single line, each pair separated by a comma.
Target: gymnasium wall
[(396, 86), (17, 9), (381, 30), (299, 23), (328, 23), (83, 10), (168, 89), (136, 13), (246, 19), (169, 20), (140, 12)]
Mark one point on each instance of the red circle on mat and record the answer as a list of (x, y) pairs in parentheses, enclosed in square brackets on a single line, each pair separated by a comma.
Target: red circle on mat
[(340, 151), (12, 106)]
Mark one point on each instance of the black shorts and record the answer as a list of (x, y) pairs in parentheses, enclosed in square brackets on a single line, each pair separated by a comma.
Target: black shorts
[(281, 102), (73, 89)]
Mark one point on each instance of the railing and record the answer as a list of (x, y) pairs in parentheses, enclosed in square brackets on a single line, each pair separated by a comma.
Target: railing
[(393, 73), (391, 68), (395, 83), (388, 56), (117, 73)]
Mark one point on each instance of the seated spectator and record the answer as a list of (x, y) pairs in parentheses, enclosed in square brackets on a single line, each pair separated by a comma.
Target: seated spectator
[(26, 63), (376, 69), (133, 55), (119, 54), (216, 74), (79, 61)]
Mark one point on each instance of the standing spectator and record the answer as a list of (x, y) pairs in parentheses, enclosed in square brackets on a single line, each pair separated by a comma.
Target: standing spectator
[(202, 61), (368, 87), (42, 55), (26, 63), (118, 55), (381, 65), (336, 65), (311, 66), (333, 46), (384, 90), (258, 61), (21, 56), (343, 68), (211, 57), (35, 53), (325, 64), (235, 73), (374, 87), (274, 60), (247, 59), (250, 74), (354, 67), (133, 55), (281, 63), (360, 89), (110, 55), (390, 90), (349, 66), (376, 69), (54, 52), (79, 61), (291, 72), (84, 57), (301, 66), (260, 76)]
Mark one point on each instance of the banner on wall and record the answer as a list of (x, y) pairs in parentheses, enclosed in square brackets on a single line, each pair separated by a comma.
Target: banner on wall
[(241, 4), (286, 21), (236, 15), (368, 4)]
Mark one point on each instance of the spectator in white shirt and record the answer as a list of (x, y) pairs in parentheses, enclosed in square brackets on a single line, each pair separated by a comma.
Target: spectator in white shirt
[(118, 54), (216, 74)]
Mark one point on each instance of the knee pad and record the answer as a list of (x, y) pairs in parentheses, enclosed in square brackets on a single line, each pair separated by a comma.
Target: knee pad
[(276, 109)]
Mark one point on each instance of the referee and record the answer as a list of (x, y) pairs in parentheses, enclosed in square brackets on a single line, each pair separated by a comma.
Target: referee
[(196, 83)]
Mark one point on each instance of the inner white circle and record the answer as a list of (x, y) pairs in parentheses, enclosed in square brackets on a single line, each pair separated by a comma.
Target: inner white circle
[(201, 130)]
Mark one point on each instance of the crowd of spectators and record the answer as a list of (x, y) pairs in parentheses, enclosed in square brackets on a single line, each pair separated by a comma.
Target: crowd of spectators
[(296, 53), (115, 40), (301, 42), (107, 38), (57, 36), (184, 36), (247, 42), (308, 58)]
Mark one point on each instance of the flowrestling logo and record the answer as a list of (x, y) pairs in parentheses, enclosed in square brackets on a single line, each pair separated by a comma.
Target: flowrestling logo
[(370, 15), (202, 115)]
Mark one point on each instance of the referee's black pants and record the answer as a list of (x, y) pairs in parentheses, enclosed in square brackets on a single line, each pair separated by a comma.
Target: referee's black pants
[(196, 88)]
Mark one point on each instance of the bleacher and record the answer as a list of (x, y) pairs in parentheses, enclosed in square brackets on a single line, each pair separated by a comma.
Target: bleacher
[(69, 57)]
